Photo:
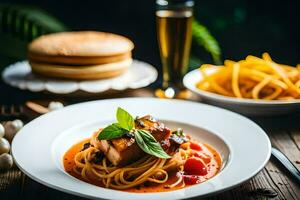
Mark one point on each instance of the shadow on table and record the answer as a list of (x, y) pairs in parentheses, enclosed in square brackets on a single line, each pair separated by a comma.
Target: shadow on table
[(281, 122)]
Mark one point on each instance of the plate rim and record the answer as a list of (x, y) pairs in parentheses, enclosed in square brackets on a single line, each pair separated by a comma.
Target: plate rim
[(266, 159), (48, 82)]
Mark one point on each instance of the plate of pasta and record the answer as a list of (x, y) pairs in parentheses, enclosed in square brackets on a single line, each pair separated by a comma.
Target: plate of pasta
[(253, 86), (141, 148)]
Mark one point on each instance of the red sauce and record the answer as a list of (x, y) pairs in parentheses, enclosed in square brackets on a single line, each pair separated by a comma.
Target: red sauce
[(213, 168)]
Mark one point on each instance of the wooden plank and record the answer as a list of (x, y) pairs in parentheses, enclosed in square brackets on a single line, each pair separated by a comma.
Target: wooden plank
[(284, 142), (35, 190), (259, 187), (11, 184), (272, 177), (281, 177), (30, 186), (295, 135), (248, 190), (287, 187), (8, 178)]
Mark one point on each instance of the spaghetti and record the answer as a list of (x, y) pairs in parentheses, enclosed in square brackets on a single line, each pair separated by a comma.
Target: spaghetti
[(252, 78), (147, 169), (123, 166), (159, 174)]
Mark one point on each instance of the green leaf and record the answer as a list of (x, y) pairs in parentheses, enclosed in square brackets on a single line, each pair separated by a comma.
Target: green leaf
[(16, 15), (19, 24), (111, 132), (203, 37), (149, 145), (125, 120)]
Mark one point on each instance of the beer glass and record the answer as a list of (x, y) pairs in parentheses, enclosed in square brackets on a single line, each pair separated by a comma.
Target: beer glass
[(174, 35)]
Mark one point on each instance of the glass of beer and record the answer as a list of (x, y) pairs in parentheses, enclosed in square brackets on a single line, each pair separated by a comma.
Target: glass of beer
[(174, 34)]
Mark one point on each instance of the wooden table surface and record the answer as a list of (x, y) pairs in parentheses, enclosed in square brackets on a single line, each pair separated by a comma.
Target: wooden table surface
[(272, 182)]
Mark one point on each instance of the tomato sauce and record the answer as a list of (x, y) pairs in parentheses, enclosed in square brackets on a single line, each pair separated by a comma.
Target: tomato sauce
[(213, 167)]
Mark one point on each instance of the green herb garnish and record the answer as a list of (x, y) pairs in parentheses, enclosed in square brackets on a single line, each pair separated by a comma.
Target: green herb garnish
[(148, 144), (125, 120), (143, 138), (111, 132)]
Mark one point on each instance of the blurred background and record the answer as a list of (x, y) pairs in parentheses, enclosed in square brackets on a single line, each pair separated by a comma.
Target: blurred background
[(241, 27)]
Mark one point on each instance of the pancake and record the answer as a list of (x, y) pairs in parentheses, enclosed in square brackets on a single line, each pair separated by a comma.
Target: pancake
[(87, 72), (80, 44), (78, 60), (80, 55)]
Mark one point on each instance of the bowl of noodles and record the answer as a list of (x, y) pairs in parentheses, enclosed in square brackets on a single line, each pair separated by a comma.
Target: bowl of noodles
[(253, 86)]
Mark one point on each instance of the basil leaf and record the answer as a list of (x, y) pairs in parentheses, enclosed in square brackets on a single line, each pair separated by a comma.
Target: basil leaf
[(149, 145), (111, 132), (125, 120)]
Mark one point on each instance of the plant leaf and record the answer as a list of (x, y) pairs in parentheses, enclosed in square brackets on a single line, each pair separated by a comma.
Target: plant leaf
[(149, 145), (203, 37), (111, 132), (125, 120), (19, 16), (19, 24)]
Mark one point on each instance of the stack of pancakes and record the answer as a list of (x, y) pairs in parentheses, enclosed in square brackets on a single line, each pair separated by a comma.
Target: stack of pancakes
[(80, 55)]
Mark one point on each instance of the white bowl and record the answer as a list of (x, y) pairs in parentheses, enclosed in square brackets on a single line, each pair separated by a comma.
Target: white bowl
[(243, 106), (39, 147)]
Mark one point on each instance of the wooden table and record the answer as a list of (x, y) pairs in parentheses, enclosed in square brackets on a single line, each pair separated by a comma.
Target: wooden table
[(272, 182)]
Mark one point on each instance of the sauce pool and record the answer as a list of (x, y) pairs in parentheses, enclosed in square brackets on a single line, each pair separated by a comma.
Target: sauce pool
[(213, 168)]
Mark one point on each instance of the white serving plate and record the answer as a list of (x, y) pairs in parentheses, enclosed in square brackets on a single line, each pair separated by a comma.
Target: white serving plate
[(140, 74), (243, 106), (39, 147)]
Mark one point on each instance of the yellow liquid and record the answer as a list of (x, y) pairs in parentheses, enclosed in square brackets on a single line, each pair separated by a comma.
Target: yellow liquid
[(174, 33)]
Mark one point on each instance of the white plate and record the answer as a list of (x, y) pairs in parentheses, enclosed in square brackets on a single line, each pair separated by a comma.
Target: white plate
[(39, 147), (140, 74), (244, 106)]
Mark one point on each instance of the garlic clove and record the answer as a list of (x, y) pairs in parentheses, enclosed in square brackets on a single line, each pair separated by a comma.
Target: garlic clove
[(2, 131), (18, 124), (54, 105), (6, 161), (11, 128), (4, 146)]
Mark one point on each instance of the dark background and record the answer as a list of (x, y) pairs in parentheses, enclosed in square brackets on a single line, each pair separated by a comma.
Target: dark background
[(241, 27)]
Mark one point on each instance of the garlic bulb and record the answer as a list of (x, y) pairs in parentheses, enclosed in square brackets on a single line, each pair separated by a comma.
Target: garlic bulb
[(11, 128), (4, 146), (6, 161), (2, 131), (54, 105)]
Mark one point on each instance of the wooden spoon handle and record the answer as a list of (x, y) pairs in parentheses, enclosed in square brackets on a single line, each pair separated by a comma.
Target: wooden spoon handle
[(37, 107)]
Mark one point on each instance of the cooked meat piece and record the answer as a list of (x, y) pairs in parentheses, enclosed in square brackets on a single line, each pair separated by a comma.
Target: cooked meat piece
[(156, 128), (128, 150), (124, 150), (107, 148)]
